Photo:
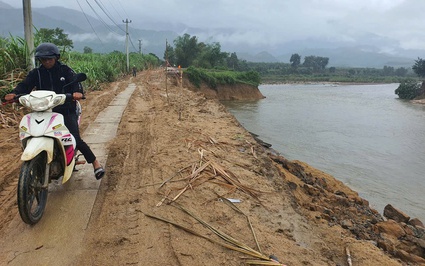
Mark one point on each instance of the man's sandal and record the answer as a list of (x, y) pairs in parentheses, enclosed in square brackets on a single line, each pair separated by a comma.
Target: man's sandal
[(99, 172)]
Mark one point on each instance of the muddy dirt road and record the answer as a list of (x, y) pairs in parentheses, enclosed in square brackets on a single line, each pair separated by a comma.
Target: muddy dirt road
[(182, 176)]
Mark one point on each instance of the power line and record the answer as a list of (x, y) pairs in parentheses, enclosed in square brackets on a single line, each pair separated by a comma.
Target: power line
[(106, 13), (113, 7), (89, 22), (119, 2), (132, 43), (104, 23)]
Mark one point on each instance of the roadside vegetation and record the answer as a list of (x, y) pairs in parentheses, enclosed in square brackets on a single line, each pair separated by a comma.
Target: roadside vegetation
[(408, 90), (215, 77), (100, 68)]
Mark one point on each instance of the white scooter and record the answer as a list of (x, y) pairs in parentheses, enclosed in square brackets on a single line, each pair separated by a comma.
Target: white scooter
[(49, 150)]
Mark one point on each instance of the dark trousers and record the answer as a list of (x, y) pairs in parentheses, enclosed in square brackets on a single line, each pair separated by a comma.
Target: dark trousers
[(71, 122)]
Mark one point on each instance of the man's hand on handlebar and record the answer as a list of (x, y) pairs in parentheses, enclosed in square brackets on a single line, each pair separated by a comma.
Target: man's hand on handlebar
[(9, 97), (77, 96)]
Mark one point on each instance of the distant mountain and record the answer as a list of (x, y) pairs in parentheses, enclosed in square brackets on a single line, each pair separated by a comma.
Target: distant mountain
[(264, 57), (78, 19), (5, 6), (106, 36), (85, 30)]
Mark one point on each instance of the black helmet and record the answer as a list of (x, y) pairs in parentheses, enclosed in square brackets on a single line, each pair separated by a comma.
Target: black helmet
[(47, 50)]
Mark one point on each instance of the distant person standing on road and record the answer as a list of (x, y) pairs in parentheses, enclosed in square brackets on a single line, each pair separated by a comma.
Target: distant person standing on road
[(134, 70)]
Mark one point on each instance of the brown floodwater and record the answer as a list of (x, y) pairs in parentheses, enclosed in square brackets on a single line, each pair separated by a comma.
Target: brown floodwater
[(361, 134)]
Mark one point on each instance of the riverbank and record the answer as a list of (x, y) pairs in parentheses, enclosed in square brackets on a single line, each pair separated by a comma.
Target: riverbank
[(224, 92), (421, 101), (318, 200), (182, 174)]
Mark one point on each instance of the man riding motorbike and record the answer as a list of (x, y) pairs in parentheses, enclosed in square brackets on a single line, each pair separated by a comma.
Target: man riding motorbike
[(53, 75)]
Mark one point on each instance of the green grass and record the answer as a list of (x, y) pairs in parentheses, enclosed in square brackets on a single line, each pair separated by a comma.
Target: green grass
[(212, 78)]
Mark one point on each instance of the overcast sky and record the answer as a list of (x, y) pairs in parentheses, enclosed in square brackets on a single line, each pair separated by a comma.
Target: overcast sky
[(393, 23)]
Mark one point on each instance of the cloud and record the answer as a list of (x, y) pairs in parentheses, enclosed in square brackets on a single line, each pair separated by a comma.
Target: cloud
[(270, 23), (110, 37)]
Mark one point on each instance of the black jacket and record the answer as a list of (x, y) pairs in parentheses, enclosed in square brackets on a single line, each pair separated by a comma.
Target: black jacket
[(51, 79)]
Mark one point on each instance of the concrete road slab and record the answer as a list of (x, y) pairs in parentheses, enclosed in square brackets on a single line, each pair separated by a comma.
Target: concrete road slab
[(111, 114), (119, 101), (100, 132), (99, 149)]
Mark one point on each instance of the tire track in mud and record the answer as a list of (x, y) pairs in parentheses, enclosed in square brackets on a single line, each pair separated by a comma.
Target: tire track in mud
[(8, 199), (9, 179)]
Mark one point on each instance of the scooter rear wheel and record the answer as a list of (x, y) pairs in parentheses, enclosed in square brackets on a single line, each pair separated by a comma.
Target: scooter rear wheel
[(32, 197)]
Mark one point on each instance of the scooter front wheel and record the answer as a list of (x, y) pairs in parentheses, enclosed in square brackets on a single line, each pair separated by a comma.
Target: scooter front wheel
[(32, 197)]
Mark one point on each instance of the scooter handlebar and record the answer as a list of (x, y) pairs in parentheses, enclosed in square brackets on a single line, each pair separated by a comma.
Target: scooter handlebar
[(14, 100)]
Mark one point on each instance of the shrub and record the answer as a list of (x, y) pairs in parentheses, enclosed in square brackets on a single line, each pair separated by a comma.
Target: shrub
[(408, 89), (213, 77), (197, 76)]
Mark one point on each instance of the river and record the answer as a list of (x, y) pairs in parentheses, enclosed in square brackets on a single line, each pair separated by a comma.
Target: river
[(363, 135)]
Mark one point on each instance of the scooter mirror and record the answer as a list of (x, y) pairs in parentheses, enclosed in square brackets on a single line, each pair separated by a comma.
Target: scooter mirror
[(77, 78), (80, 77)]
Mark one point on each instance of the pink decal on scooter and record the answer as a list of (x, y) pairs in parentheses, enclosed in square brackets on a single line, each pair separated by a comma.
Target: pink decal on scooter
[(69, 151), (52, 119), (69, 148), (29, 122)]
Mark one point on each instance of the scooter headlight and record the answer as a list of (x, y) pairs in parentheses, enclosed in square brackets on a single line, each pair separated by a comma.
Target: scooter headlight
[(39, 104)]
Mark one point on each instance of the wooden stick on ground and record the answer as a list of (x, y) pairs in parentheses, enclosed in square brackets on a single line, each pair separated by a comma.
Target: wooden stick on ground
[(347, 251)]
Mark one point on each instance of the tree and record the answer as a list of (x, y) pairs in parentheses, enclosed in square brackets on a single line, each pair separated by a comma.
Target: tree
[(401, 71), (388, 71), (233, 61), (419, 67), (295, 60), (316, 62), (323, 62), (87, 50), (169, 54), (55, 36), (186, 49), (210, 55), (352, 72)]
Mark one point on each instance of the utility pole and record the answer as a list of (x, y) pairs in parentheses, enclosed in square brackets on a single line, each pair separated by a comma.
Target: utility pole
[(166, 68), (140, 46), (26, 4), (126, 42)]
